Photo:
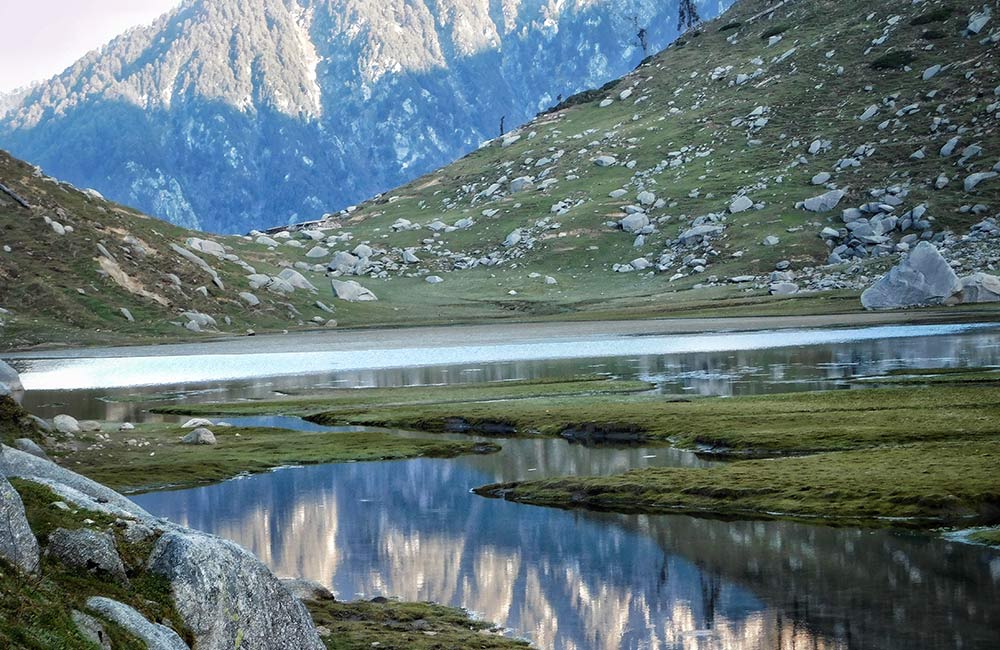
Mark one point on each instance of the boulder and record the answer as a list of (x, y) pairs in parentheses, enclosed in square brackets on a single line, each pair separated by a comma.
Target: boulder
[(741, 204), (227, 598), (351, 291), (521, 184), (91, 629), (923, 278), (17, 543), (979, 287), (250, 299), (155, 636), (87, 550), (297, 280), (433, 279), (316, 252), (824, 202), (304, 589), (9, 379), (635, 222), (200, 436), (343, 262), (972, 180), (784, 288), (206, 246), (699, 233), (29, 446), (66, 424), (194, 423), (89, 426)]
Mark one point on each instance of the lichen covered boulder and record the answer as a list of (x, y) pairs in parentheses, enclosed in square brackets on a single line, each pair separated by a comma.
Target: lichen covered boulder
[(227, 598)]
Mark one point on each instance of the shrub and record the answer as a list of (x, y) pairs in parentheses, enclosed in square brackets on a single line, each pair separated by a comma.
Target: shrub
[(893, 60), (730, 26), (775, 30), (936, 16)]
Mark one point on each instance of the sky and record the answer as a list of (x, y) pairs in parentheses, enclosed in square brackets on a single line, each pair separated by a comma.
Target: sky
[(49, 35)]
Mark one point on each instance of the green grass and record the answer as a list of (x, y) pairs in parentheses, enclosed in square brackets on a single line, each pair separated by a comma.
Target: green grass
[(355, 400), (990, 537), (773, 424), (404, 626), (166, 463), (937, 15), (929, 376), (920, 485)]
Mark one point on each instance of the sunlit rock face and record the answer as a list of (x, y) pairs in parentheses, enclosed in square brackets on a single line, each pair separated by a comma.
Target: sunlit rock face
[(230, 114)]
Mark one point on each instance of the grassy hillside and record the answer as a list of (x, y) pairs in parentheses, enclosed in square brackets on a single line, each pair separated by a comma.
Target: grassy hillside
[(762, 103)]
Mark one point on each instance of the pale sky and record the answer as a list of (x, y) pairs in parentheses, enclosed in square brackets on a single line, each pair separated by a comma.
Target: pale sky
[(44, 37)]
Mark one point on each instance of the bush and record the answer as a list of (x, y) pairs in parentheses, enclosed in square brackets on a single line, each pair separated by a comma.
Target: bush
[(730, 26), (935, 16), (932, 34), (893, 60), (775, 30)]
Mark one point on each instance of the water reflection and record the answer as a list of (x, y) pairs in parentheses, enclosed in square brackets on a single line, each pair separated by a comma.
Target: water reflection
[(109, 372), (726, 372), (598, 581)]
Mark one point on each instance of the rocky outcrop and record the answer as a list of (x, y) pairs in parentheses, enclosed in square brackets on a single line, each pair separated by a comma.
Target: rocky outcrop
[(10, 382), (227, 598), (923, 278), (87, 550), (225, 595), (156, 637), (17, 543)]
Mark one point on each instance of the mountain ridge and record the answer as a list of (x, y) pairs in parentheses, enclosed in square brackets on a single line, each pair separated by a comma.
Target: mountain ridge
[(294, 108)]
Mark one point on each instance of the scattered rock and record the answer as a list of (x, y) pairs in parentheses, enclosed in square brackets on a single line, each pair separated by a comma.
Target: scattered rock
[(979, 287), (824, 202), (9, 379)]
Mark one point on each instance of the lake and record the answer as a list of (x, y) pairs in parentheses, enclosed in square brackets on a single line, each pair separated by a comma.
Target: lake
[(570, 580)]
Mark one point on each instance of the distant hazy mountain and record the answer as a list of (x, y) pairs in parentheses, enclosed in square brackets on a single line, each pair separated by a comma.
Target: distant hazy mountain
[(230, 114)]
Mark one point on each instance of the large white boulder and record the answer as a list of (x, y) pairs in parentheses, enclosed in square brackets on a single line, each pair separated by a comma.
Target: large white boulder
[(351, 291), (923, 278)]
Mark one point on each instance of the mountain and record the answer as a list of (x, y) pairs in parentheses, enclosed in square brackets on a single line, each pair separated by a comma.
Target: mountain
[(777, 160), (225, 115)]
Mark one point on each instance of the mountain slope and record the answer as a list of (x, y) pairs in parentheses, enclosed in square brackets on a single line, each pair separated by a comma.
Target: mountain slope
[(705, 152), (228, 114)]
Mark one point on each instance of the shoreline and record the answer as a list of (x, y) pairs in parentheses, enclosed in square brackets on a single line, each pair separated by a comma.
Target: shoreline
[(360, 339)]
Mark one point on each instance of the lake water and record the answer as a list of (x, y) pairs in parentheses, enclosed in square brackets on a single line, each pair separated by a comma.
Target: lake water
[(572, 580)]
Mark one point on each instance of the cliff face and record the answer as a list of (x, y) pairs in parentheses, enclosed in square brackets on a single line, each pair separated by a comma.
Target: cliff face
[(225, 114)]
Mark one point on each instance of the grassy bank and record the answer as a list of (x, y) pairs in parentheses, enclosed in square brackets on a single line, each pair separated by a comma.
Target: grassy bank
[(152, 457), (392, 625), (990, 537), (767, 425), (921, 485), (353, 401)]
